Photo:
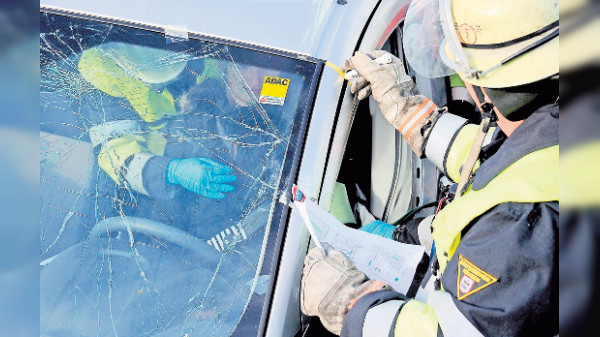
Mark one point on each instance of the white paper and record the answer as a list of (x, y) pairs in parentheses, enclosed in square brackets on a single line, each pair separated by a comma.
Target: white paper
[(379, 258)]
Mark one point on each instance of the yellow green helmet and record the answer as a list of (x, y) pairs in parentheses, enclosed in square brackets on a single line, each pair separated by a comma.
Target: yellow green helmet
[(488, 43)]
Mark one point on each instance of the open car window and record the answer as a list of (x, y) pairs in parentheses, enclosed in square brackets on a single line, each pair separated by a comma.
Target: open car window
[(125, 251)]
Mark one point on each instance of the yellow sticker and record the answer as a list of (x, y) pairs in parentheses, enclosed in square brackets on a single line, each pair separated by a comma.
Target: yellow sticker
[(470, 278), (274, 90)]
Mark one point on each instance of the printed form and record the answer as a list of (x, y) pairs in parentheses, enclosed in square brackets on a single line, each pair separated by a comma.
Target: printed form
[(379, 258)]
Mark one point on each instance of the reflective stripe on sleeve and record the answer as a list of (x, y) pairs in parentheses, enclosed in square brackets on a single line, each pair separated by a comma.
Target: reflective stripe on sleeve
[(379, 319), (425, 290), (441, 137), (133, 173), (416, 116), (355, 319), (419, 120), (424, 233), (102, 133), (452, 322)]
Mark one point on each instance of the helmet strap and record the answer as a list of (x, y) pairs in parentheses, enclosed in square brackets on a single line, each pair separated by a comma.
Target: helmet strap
[(488, 116), (487, 109)]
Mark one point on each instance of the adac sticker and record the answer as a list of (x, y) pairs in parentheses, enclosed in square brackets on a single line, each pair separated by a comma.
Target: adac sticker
[(274, 90), (471, 278)]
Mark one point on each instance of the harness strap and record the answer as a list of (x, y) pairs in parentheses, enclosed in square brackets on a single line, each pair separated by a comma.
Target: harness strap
[(486, 112)]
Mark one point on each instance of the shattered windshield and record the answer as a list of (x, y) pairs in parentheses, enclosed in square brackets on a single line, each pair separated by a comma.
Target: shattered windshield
[(162, 165)]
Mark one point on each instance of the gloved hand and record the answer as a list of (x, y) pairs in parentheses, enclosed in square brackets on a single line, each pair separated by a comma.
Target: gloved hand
[(393, 72), (202, 176), (399, 100), (330, 285), (379, 228)]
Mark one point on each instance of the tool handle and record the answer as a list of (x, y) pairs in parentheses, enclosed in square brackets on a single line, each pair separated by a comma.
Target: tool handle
[(383, 59)]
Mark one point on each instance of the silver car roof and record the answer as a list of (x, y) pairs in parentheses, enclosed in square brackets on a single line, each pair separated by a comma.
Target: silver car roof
[(298, 26)]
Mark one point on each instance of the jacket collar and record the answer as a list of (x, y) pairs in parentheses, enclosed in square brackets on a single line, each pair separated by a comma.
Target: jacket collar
[(538, 131)]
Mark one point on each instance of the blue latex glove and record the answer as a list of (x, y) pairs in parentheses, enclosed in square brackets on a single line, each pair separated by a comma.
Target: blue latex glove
[(202, 176), (379, 228)]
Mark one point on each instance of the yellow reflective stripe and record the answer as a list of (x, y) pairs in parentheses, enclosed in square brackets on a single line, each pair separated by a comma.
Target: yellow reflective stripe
[(416, 319), (451, 320), (415, 114), (579, 178), (459, 151), (419, 119), (533, 178), (114, 153)]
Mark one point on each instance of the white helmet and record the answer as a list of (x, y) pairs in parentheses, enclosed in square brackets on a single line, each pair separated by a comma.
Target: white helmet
[(151, 65), (489, 43)]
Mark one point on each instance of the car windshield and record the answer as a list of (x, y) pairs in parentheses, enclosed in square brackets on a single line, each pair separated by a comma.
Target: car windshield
[(162, 164)]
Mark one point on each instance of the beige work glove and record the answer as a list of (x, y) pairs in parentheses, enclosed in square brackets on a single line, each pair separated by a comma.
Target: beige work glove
[(411, 113), (331, 285)]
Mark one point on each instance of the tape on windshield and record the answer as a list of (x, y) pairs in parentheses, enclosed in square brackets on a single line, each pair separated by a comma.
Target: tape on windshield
[(176, 34)]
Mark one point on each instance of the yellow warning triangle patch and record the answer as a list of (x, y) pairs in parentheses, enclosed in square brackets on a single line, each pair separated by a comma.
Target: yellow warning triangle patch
[(471, 278)]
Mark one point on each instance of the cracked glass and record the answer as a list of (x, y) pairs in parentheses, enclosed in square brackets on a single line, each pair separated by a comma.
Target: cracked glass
[(162, 162)]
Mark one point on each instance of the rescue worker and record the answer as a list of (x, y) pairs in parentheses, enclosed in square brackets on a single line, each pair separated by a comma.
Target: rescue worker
[(494, 256), (132, 150)]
